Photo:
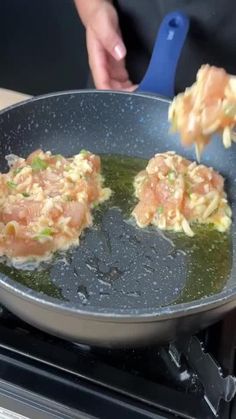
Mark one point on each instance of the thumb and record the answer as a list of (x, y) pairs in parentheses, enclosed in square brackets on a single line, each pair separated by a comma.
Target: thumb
[(108, 32)]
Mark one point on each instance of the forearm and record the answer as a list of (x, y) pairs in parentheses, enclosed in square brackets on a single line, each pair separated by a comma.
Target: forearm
[(87, 7)]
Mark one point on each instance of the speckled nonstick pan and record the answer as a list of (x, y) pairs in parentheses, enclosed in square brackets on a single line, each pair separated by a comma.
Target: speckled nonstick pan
[(122, 286)]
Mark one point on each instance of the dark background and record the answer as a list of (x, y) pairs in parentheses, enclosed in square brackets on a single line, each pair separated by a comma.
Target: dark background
[(42, 46)]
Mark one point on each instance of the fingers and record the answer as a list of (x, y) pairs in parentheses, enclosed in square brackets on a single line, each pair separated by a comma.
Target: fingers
[(106, 28), (97, 61), (106, 51)]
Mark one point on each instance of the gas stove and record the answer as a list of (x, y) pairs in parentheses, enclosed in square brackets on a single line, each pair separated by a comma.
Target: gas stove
[(42, 376)]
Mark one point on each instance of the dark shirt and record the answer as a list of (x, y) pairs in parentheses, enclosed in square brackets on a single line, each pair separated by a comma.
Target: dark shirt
[(211, 38)]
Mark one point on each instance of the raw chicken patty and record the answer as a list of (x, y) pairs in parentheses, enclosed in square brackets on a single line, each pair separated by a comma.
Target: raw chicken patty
[(174, 193), (46, 202)]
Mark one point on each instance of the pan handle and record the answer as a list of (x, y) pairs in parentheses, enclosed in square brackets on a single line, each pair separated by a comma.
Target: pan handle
[(160, 75)]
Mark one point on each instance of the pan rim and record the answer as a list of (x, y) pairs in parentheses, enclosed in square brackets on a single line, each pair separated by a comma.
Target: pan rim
[(106, 314), (118, 314), (82, 91)]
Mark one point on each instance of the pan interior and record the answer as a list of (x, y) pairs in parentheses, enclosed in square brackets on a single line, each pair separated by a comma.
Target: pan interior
[(118, 265)]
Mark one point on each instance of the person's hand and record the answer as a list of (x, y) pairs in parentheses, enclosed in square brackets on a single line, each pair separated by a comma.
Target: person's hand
[(106, 50)]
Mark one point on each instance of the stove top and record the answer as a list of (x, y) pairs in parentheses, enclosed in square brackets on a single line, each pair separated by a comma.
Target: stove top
[(42, 376)]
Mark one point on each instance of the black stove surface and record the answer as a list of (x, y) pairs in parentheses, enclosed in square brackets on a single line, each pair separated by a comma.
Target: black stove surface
[(46, 377)]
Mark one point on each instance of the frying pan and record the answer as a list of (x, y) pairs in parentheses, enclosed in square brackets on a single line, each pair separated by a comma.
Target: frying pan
[(123, 286)]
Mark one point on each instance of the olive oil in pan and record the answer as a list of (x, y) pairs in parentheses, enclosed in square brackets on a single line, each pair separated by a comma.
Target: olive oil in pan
[(119, 173), (208, 253), (37, 280), (209, 259), (207, 256)]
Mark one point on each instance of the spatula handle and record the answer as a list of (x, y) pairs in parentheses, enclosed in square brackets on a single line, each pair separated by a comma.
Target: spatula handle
[(160, 75)]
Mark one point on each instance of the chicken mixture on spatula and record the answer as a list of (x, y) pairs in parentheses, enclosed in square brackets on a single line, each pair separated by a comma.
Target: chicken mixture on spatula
[(206, 108)]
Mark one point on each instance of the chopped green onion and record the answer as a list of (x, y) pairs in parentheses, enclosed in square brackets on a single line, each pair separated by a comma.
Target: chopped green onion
[(160, 209), (84, 152), (38, 164), (230, 110), (16, 171), (46, 232), (25, 194), (11, 184), (171, 176)]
